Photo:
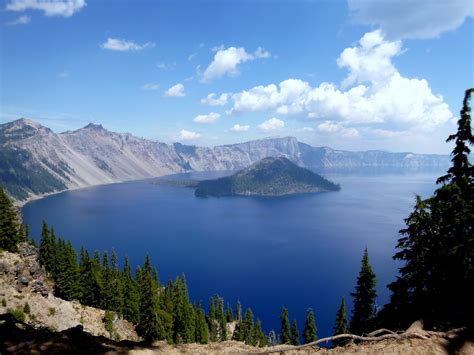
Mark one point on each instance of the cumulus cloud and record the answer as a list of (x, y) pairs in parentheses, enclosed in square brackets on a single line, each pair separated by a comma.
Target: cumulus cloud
[(214, 100), (337, 128), (22, 20), (227, 60), (239, 128), (62, 8), (151, 86), (412, 19), (373, 92), (175, 91), (189, 135), (122, 45), (209, 118), (272, 124)]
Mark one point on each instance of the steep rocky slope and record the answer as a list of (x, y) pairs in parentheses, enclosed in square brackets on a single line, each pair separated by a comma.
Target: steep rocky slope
[(22, 282), (35, 161)]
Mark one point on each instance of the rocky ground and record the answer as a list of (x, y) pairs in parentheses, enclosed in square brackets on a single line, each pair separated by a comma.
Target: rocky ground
[(23, 281)]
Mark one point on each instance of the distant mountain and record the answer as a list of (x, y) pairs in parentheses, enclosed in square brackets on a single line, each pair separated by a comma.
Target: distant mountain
[(267, 177), (35, 161)]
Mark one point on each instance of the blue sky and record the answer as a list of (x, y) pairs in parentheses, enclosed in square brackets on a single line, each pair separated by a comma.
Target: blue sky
[(357, 74)]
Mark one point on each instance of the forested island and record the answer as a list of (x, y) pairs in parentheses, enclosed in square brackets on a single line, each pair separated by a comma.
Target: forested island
[(268, 177)]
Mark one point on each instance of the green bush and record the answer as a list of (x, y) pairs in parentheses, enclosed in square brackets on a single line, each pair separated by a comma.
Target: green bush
[(4, 302), (26, 308), (109, 321), (52, 311), (17, 313)]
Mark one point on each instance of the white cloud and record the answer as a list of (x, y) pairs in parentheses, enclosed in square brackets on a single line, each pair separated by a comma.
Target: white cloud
[(412, 18), (214, 100), (121, 45), (209, 118), (166, 66), (373, 92), (175, 91), (22, 20), (337, 128), (63, 8), (189, 135), (191, 56), (239, 128), (151, 86), (272, 124), (307, 129), (227, 60), (371, 60)]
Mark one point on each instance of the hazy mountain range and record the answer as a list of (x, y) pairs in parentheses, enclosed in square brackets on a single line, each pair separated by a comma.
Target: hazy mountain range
[(35, 161)]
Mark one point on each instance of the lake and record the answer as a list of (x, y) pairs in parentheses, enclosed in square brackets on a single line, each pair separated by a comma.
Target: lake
[(300, 251)]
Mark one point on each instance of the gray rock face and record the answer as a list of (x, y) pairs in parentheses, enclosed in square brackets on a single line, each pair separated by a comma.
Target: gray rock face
[(92, 156)]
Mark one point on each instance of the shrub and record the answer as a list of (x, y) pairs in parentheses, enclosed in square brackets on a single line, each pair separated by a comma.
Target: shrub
[(26, 308), (109, 321), (52, 311), (17, 313), (4, 302)]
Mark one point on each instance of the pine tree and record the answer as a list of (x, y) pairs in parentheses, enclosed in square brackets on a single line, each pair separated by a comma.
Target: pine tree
[(229, 315), (201, 330), (260, 338), (221, 318), (9, 224), (364, 296), (183, 317), (46, 249), (340, 326), (309, 332), (295, 334), (285, 331), (131, 298), (116, 284), (150, 327), (238, 332), (248, 328), (437, 246)]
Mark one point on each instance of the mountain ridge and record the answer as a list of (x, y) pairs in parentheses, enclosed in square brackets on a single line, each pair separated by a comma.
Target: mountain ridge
[(35, 161)]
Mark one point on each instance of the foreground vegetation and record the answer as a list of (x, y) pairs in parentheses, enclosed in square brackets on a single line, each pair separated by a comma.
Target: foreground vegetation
[(434, 284)]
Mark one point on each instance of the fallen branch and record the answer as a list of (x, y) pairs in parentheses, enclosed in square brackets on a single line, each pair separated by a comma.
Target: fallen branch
[(369, 337)]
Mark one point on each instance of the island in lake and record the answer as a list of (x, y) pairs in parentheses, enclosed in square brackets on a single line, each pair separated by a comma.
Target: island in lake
[(267, 177)]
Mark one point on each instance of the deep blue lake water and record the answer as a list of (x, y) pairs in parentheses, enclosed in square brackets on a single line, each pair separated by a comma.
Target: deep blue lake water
[(300, 251)]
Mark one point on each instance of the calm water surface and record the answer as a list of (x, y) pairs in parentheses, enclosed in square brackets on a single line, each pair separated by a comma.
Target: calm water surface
[(300, 251)]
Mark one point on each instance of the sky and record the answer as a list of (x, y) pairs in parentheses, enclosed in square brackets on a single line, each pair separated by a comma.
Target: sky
[(353, 75)]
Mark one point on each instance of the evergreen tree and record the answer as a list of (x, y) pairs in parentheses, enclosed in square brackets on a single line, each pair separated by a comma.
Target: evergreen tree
[(116, 284), (248, 328), (309, 332), (364, 296), (238, 332), (46, 249), (150, 326), (229, 315), (212, 320), (131, 298), (221, 318), (9, 224), (285, 331), (183, 317), (340, 326), (260, 338), (295, 334), (201, 330), (437, 246)]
